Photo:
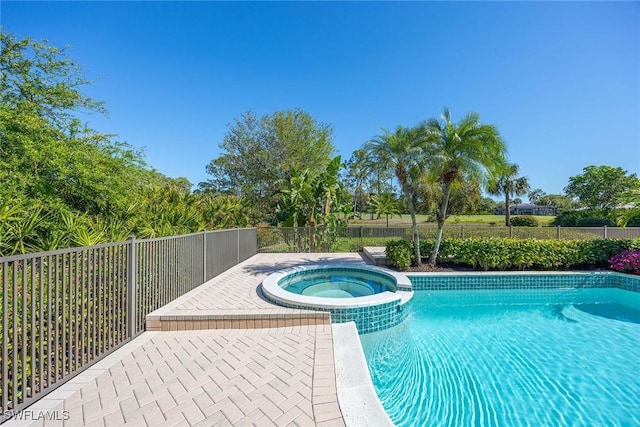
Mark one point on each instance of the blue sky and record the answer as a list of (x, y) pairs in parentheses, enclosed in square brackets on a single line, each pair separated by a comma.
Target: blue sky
[(560, 80)]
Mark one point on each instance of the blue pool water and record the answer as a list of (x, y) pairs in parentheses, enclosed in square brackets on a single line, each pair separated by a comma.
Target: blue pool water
[(337, 283), (553, 357)]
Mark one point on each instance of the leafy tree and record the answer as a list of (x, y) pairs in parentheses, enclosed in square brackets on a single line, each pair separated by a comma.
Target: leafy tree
[(46, 152), (260, 152), (507, 183), (403, 152), (465, 197), (601, 187), (387, 205), (486, 206), (468, 148), (561, 202), (631, 214), (66, 184)]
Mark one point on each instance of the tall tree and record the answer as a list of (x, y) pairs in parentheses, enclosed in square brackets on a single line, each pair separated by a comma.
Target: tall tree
[(403, 152), (468, 148), (258, 153), (367, 175), (507, 182), (601, 187), (358, 170)]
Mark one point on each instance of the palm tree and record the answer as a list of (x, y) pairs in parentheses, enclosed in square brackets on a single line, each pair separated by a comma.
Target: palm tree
[(468, 148), (507, 182), (403, 151), (386, 204), (535, 195)]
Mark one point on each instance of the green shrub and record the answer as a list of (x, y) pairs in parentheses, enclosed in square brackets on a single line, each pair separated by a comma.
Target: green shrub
[(594, 222), (571, 218), (524, 221), (399, 253), (508, 254)]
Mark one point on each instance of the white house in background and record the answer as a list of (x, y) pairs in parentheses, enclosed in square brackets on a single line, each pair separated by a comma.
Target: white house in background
[(528, 209)]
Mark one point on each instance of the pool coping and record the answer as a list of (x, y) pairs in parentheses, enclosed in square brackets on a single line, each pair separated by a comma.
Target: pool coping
[(358, 400)]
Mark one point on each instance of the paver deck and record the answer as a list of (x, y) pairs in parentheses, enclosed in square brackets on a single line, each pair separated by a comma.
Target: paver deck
[(243, 373), (233, 298)]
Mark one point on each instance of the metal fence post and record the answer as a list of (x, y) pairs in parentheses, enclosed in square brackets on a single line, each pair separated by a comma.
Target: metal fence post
[(462, 231), (131, 287), (204, 256), (238, 247), (558, 232), (606, 234), (361, 237), (511, 231)]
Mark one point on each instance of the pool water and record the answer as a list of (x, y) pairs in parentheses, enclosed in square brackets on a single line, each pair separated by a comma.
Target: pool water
[(337, 283), (511, 358)]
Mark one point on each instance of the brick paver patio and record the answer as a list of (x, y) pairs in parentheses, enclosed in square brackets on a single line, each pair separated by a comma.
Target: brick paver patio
[(245, 372)]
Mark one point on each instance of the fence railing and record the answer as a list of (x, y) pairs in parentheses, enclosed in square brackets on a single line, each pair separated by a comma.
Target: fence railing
[(64, 310), (353, 239)]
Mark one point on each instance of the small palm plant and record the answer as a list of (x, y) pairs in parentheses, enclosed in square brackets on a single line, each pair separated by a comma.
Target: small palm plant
[(387, 205)]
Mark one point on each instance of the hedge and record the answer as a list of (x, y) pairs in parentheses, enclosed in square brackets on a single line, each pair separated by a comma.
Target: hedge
[(517, 254)]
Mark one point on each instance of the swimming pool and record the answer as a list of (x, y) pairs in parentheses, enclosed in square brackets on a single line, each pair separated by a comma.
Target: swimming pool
[(511, 357)]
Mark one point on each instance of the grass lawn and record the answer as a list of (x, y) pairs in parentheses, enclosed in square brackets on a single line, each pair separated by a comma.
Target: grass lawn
[(454, 219)]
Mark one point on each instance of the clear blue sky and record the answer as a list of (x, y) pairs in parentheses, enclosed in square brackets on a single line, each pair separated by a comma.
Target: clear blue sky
[(560, 80)]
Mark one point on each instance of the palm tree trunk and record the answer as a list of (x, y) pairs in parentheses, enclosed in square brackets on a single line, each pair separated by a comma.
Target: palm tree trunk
[(414, 225), (416, 234), (507, 211), (442, 216)]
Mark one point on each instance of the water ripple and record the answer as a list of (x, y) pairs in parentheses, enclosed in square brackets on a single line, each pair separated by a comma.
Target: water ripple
[(506, 365)]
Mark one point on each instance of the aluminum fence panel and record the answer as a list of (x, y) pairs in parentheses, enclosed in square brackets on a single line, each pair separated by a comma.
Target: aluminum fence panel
[(166, 269), (623, 233), (61, 311), (222, 251), (248, 241)]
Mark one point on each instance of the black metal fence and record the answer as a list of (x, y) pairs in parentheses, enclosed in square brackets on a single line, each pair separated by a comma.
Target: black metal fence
[(353, 239), (64, 310)]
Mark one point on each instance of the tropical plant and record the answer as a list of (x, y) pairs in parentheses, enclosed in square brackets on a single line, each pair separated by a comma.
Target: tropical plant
[(387, 205), (403, 151), (309, 200), (506, 182), (466, 149)]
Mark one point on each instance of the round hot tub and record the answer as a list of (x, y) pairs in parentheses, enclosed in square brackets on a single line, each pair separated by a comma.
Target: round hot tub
[(337, 282), (373, 297)]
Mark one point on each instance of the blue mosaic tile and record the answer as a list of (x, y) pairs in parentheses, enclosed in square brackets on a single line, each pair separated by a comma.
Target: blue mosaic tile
[(383, 316)]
